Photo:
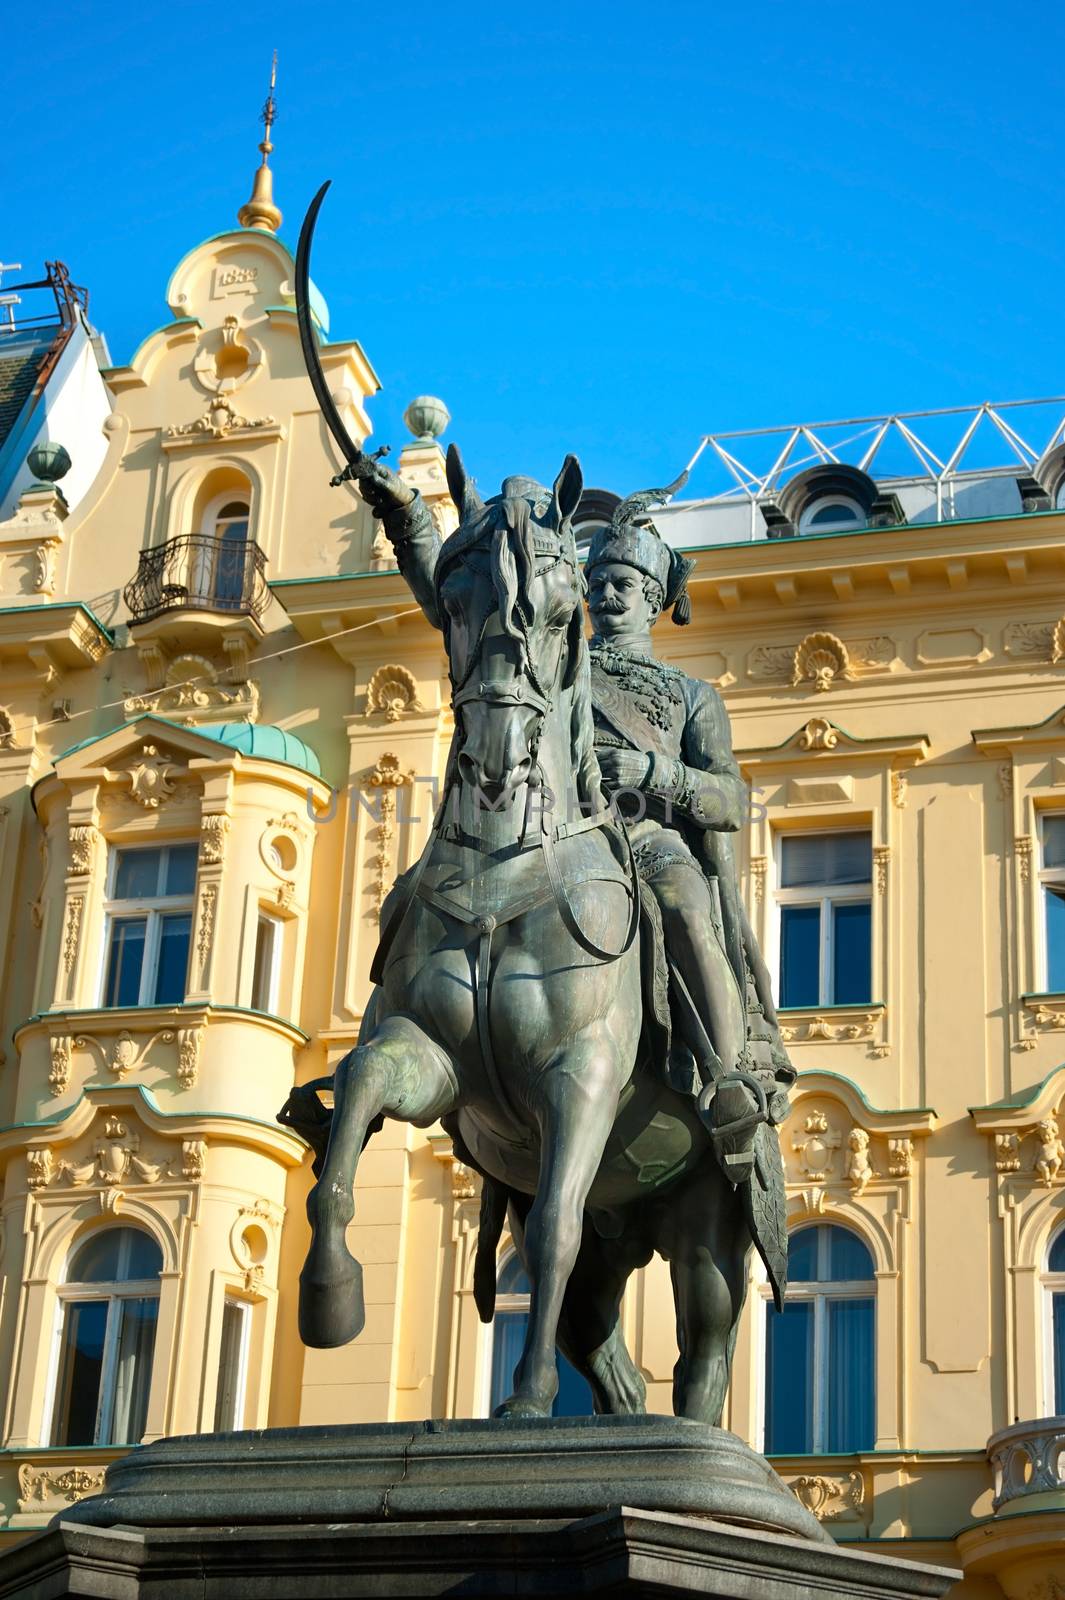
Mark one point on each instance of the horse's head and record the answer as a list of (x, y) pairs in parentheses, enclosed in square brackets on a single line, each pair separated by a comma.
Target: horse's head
[(510, 598)]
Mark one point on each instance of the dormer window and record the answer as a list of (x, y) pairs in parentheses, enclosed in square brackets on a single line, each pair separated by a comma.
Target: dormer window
[(832, 514)]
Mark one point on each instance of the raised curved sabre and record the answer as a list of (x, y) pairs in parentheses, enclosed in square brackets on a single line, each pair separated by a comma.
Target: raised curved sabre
[(309, 342)]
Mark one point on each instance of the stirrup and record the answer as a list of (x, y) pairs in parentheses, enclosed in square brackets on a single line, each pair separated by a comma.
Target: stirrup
[(737, 1164)]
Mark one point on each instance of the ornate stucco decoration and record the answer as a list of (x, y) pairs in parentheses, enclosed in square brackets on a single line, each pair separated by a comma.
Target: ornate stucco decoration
[(205, 927), (857, 1167), (881, 858), (219, 421), (114, 1159), (386, 778), (818, 734), (149, 778), (1041, 641), (190, 1043), (124, 1054), (830, 1499), (1050, 1152), (83, 837), (818, 1027), (821, 658), (191, 690), (816, 1147), (112, 1162), (900, 1158), (393, 692), (72, 933), (59, 1072), (7, 731), (1022, 847), (44, 1488), (759, 866), (899, 786), (228, 358), (1026, 1143), (213, 830)]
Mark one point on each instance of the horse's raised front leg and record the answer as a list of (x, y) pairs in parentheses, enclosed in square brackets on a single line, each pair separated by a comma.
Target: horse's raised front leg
[(400, 1072), (578, 1096)]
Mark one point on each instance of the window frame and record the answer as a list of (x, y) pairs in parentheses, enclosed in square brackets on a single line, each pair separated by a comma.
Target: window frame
[(1053, 1283), (72, 1292), (820, 1291), (153, 908), (246, 1311), (277, 924), (1045, 876), (819, 502), (825, 899)]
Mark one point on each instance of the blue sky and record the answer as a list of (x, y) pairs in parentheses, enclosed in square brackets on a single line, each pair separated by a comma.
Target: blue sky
[(600, 228)]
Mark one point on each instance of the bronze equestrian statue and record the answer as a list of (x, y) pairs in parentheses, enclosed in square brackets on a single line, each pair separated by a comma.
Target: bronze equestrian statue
[(615, 1102)]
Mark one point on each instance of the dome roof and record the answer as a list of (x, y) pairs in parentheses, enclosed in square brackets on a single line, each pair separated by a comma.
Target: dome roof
[(266, 743), (263, 741)]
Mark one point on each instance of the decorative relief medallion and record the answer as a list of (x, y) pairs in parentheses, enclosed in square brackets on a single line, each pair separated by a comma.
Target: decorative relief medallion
[(818, 734), (392, 691), (822, 1028), (1007, 1152), (40, 1486), (1042, 641), (220, 419), (817, 1150), (150, 779), (830, 1498), (114, 1159), (821, 658), (124, 1054), (191, 690), (900, 1158)]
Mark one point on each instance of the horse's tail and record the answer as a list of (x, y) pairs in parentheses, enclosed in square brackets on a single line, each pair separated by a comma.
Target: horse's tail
[(494, 1197)]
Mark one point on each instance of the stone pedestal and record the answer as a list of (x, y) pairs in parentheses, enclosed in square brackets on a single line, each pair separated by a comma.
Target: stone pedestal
[(567, 1506)]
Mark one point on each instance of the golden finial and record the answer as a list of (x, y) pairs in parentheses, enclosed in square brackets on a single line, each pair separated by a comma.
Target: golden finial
[(260, 211)]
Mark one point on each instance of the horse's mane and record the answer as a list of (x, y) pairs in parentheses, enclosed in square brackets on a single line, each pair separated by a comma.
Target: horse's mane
[(504, 532)]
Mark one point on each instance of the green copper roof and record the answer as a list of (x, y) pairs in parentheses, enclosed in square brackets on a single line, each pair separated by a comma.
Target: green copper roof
[(266, 743), (261, 740)]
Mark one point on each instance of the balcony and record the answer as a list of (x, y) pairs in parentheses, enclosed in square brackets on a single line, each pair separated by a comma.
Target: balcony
[(1020, 1545), (223, 578)]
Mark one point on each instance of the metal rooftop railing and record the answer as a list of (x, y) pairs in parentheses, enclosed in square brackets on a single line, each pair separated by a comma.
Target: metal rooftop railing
[(937, 448)]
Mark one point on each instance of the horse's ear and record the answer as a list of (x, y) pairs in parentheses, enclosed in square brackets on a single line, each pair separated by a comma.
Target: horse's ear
[(574, 645), (568, 486), (463, 489)]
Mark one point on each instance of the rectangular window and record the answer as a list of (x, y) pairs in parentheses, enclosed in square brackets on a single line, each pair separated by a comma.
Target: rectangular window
[(1052, 880), (1057, 1307), (232, 1366), (149, 925), (105, 1369), (790, 1379), (267, 963), (825, 910)]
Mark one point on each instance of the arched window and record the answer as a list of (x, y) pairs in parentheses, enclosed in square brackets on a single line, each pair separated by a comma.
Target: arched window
[(820, 1376), (574, 1398), (832, 514), (109, 1308), (223, 574), (1054, 1282)]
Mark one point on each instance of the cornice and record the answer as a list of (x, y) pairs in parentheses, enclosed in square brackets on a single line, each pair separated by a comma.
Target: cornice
[(830, 743), (994, 740), (916, 1121)]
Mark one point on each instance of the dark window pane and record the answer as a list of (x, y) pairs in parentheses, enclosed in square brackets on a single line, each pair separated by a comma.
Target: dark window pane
[(1054, 840), (174, 939), (142, 1257), (834, 514), (1055, 899), (852, 953), (574, 1398), (825, 858), (137, 874), (136, 1345), (789, 1379), (125, 961), (800, 955), (180, 869), (1059, 1354), (512, 1278), (1056, 1258), (851, 1379), (849, 1260), (508, 1337), (802, 1256), (80, 1365)]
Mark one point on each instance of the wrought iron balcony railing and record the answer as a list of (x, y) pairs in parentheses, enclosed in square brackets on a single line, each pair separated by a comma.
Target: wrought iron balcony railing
[(199, 573)]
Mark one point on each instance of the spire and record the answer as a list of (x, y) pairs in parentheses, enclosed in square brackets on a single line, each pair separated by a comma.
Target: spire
[(260, 211)]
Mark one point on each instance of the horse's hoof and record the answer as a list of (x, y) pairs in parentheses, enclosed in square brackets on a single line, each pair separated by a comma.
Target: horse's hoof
[(331, 1313), (518, 1409)]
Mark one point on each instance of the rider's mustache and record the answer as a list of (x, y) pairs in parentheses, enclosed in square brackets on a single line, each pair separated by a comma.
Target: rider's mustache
[(609, 608)]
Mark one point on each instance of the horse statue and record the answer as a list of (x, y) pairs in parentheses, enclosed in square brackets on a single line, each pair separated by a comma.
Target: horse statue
[(514, 1001), (509, 999)]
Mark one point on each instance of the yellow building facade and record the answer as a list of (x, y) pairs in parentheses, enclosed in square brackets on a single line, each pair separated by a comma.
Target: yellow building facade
[(221, 720)]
